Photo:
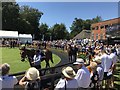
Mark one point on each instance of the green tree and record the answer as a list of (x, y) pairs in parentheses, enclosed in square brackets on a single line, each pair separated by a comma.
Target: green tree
[(32, 17), (10, 14), (87, 24), (43, 31), (97, 19), (58, 31), (24, 27), (76, 27)]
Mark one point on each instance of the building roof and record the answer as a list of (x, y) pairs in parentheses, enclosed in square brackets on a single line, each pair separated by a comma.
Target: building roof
[(25, 36), (8, 34), (107, 22), (83, 34)]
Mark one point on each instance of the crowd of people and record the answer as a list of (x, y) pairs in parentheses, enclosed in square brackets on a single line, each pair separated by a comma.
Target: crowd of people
[(101, 67), (12, 43)]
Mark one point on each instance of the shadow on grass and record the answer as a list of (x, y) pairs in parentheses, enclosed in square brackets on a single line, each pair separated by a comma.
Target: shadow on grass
[(117, 73), (118, 65), (117, 86), (117, 77)]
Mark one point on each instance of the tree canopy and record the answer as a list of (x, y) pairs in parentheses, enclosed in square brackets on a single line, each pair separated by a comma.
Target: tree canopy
[(31, 16), (59, 31), (10, 15), (79, 24), (26, 20)]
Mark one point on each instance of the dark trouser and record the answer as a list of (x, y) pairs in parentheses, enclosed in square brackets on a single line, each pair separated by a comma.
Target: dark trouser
[(74, 57), (47, 65), (38, 67), (70, 58)]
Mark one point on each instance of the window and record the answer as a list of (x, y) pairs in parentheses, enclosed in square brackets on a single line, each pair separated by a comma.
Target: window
[(92, 37), (101, 36), (93, 28), (96, 36), (106, 26), (96, 28), (102, 27)]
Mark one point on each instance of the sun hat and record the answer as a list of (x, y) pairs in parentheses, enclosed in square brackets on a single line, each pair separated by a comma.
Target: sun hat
[(32, 74), (97, 59), (93, 65), (79, 61), (68, 72)]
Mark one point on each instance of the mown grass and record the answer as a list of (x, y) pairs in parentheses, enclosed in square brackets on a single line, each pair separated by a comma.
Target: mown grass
[(12, 57), (117, 77)]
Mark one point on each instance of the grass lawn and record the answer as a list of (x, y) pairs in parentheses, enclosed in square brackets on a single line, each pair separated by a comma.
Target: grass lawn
[(117, 76), (12, 57)]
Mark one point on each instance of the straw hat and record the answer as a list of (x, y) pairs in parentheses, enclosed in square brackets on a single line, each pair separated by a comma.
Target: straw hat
[(93, 65), (32, 74), (79, 61), (97, 59), (68, 72)]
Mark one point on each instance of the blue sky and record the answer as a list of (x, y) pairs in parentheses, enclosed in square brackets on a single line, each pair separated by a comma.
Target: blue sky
[(65, 12)]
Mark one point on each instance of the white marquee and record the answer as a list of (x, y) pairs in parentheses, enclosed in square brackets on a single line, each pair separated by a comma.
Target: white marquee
[(8, 34), (25, 36)]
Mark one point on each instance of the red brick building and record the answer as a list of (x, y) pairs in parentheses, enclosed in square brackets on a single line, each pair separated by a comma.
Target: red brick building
[(101, 30)]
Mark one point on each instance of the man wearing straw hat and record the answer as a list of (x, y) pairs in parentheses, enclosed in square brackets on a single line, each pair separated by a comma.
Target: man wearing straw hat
[(83, 75), (100, 70), (68, 81)]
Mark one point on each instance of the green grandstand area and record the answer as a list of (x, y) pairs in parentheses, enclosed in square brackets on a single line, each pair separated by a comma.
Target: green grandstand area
[(12, 57)]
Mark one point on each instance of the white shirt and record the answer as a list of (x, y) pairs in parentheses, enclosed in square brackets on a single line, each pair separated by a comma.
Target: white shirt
[(83, 77), (37, 59), (69, 84), (0, 83), (8, 81), (100, 71), (106, 62), (113, 57)]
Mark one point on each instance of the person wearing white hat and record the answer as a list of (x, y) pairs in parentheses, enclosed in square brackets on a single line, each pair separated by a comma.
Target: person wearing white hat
[(32, 74), (100, 70), (6, 81), (83, 75), (68, 82)]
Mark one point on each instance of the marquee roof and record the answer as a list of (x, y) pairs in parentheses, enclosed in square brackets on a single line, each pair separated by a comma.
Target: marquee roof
[(8, 34), (25, 36)]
